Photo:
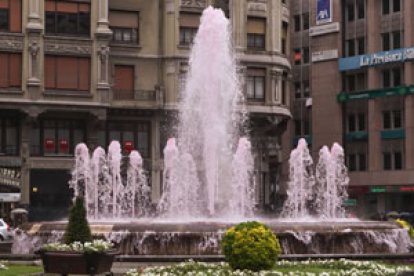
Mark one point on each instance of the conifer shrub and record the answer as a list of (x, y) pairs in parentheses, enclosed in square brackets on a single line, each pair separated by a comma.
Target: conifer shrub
[(250, 245), (78, 229)]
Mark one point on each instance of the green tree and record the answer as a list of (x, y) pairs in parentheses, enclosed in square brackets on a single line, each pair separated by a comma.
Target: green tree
[(78, 227)]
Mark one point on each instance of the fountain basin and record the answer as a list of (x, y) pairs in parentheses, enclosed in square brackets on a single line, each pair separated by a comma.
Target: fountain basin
[(148, 237)]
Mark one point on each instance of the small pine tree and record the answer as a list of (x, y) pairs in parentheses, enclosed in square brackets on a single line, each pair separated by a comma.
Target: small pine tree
[(78, 228)]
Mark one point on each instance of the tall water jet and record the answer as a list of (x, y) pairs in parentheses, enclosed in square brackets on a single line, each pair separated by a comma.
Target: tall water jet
[(181, 184), (137, 190), (81, 177), (331, 183), (242, 202), (114, 163), (209, 118), (337, 191), (99, 179), (301, 182)]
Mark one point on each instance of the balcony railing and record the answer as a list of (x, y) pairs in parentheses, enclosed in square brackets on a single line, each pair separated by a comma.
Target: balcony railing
[(137, 95)]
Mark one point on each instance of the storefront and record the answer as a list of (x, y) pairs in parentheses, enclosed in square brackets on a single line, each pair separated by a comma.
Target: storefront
[(374, 202), (50, 195), (10, 183)]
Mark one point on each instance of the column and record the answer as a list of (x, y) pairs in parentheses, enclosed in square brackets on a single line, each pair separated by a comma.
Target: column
[(156, 161), (276, 82), (27, 126), (103, 66), (33, 48), (103, 23), (34, 23)]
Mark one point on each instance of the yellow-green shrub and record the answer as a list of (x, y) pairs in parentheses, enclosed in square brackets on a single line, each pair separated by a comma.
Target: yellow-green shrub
[(406, 225), (250, 245)]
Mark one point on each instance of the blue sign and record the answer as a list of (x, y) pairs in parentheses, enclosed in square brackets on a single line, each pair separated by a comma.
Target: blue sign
[(323, 11), (379, 58)]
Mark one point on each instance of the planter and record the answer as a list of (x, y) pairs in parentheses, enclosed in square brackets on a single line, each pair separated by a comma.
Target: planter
[(69, 262)]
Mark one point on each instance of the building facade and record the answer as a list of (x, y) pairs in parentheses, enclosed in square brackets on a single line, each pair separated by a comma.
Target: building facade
[(353, 83), (96, 71)]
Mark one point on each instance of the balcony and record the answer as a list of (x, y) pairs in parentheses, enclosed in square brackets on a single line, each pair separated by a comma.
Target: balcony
[(136, 95)]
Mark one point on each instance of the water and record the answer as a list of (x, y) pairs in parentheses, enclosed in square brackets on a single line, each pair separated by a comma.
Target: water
[(107, 194), (209, 122), (319, 194)]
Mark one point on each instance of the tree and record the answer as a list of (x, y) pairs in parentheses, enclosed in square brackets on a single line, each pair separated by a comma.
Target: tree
[(78, 227)]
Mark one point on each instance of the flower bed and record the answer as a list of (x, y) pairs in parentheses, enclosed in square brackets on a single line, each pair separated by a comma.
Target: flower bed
[(87, 247), (341, 267)]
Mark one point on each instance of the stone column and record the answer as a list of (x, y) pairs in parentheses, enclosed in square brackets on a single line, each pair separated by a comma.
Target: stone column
[(103, 23), (34, 22), (33, 48), (103, 66), (156, 161), (275, 86)]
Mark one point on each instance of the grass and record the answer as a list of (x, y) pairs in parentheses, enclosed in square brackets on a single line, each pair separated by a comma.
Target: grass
[(18, 270)]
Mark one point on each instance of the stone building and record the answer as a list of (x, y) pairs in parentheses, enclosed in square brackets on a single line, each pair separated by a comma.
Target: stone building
[(94, 71), (353, 72)]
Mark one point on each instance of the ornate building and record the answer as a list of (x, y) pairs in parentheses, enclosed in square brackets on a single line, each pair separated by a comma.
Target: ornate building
[(95, 71)]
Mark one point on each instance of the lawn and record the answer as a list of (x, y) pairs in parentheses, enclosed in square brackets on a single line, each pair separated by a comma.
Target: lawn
[(306, 268), (18, 270)]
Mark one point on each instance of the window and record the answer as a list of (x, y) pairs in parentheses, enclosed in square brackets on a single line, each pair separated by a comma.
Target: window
[(355, 82), (361, 46), (125, 26), (256, 33), (189, 23), (284, 37), (59, 137), (392, 77), (361, 9), (356, 122), (386, 156), (255, 84), (296, 19), (357, 162), (9, 136), (392, 119), (396, 5), (67, 73), (10, 70), (385, 6), (392, 160), (391, 40), (305, 20), (350, 47), (305, 55), (297, 56), (350, 9), (355, 46), (123, 87), (67, 18), (131, 135), (301, 89), (11, 16), (386, 42), (396, 40), (302, 127)]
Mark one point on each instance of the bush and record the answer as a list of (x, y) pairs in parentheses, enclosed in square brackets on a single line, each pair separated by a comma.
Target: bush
[(406, 225), (250, 245), (78, 229)]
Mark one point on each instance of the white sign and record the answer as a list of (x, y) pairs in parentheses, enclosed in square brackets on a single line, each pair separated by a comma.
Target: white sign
[(10, 197), (324, 55), (324, 29)]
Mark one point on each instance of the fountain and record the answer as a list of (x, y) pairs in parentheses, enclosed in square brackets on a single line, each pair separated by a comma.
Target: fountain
[(208, 179)]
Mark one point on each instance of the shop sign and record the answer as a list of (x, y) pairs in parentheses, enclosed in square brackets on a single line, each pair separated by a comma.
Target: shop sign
[(10, 197), (323, 11), (324, 29), (10, 176), (324, 55), (350, 202), (379, 58), (378, 189)]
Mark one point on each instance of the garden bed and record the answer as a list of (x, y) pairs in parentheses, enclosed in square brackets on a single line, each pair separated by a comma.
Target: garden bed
[(341, 267)]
